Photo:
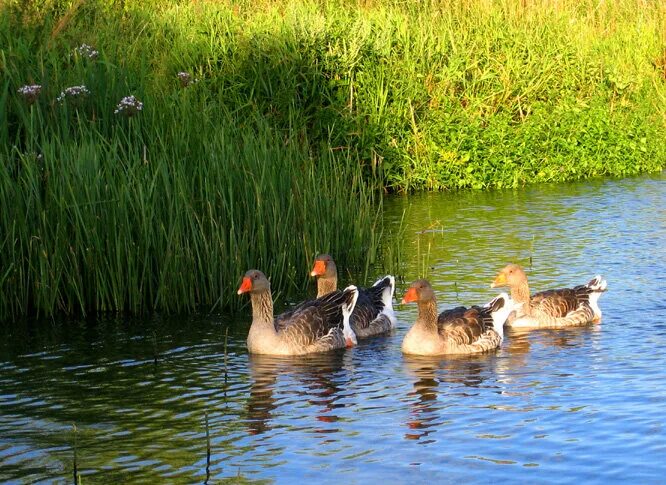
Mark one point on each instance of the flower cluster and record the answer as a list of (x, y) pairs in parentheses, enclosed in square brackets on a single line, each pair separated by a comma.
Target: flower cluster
[(128, 106), (186, 79), (85, 50), (74, 92), (30, 92)]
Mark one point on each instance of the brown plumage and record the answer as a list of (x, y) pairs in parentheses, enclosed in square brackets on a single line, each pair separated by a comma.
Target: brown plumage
[(460, 330), (373, 313), (313, 326), (566, 307)]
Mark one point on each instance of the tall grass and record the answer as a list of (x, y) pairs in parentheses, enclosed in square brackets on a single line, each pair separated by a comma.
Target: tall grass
[(299, 109)]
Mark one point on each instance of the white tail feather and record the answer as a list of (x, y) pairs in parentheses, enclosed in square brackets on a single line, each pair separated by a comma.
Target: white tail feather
[(598, 285), (347, 309), (500, 316), (387, 299)]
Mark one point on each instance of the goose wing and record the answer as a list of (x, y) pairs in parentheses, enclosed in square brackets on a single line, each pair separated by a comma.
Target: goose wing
[(284, 319), (371, 303), (464, 328), (450, 315), (312, 320), (556, 303), (365, 310)]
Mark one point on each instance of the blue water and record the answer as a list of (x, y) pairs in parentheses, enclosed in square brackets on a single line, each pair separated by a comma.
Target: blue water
[(558, 406)]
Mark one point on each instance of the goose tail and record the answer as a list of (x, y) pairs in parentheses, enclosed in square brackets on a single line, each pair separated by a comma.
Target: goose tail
[(596, 287), (387, 285), (500, 308), (350, 296), (597, 284)]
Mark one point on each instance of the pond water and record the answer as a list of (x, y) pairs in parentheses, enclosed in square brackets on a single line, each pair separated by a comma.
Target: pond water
[(127, 401)]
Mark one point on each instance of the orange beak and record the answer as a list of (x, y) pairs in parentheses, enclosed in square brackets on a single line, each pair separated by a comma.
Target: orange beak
[(499, 281), (319, 268), (245, 286), (410, 296), (349, 342)]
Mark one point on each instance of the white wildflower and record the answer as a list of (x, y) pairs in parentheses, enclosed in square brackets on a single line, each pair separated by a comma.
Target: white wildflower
[(73, 92), (128, 106), (186, 79), (30, 92), (85, 50)]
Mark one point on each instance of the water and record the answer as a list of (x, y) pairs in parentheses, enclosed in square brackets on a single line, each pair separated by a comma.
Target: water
[(585, 404)]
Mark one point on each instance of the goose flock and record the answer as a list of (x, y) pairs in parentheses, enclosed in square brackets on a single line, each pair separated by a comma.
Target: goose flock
[(336, 319)]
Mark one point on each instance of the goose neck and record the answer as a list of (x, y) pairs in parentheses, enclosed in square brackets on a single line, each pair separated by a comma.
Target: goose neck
[(326, 285), (262, 308), (521, 294), (427, 317)]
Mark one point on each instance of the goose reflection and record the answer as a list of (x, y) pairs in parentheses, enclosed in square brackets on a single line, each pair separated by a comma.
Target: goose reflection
[(470, 371), (316, 378), (520, 341), (423, 414), (513, 353), (436, 380), (570, 337), (519, 345)]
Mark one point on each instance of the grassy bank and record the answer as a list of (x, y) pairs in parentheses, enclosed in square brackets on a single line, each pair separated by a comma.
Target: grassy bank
[(293, 113)]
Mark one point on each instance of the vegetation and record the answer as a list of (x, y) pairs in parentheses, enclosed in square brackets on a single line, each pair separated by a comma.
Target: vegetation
[(164, 209), (266, 128)]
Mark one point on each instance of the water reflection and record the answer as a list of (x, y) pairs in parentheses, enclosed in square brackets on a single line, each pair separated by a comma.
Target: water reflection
[(424, 408), (437, 382), (314, 379)]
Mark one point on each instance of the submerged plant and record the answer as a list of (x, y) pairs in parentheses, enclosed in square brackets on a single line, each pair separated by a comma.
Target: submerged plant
[(128, 106), (30, 92)]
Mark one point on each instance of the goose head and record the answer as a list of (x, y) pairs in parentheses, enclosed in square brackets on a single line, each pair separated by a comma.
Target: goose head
[(254, 281), (511, 275), (324, 266), (419, 291)]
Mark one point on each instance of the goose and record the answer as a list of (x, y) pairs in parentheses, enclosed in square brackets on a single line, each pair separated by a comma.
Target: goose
[(566, 307), (313, 326), (373, 313), (459, 330)]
